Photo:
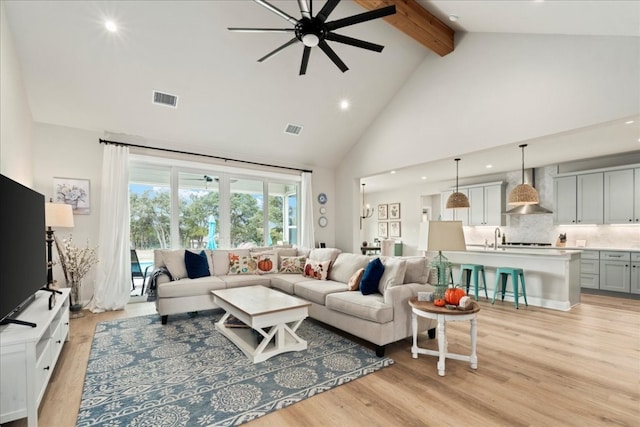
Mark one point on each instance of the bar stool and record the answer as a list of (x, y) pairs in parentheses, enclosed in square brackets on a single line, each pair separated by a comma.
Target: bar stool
[(474, 269), (515, 273)]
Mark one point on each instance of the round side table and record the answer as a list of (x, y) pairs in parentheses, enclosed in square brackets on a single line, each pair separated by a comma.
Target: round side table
[(443, 315)]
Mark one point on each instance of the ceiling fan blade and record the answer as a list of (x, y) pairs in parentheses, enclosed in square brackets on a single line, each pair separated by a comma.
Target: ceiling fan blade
[(277, 11), (272, 53), (304, 9), (362, 17), (327, 9), (354, 42), (332, 55), (262, 30), (305, 60)]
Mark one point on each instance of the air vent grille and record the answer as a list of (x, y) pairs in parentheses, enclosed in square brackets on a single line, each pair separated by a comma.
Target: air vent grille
[(161, 98), (293, 129)]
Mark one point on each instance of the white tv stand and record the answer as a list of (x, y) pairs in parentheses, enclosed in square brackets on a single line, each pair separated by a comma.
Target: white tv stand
[(29, 355)]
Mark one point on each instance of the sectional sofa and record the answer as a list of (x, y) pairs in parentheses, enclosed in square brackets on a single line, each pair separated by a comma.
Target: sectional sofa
[(380, 318)]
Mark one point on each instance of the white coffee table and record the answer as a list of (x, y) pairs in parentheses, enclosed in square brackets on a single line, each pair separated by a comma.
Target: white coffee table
[(274, 315)]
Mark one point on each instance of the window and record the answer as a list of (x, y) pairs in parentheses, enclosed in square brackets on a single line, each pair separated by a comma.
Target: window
[(176, 206)]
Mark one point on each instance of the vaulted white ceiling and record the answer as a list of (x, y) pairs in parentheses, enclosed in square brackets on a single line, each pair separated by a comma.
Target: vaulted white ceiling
[(77, 74)]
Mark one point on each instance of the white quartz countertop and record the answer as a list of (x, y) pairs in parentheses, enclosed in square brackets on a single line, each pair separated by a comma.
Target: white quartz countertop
[(474, 246), (524, 252)]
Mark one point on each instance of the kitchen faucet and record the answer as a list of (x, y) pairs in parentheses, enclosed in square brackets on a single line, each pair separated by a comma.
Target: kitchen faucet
[(496, 234)]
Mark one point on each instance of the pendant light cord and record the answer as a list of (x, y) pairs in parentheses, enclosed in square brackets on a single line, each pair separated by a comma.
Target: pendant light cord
[(522, 146)]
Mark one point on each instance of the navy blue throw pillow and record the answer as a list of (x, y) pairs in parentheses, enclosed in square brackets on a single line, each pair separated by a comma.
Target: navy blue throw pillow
[(371, 277), (197, 265)]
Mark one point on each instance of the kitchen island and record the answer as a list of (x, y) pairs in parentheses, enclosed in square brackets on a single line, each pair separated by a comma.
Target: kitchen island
[(552, 276)]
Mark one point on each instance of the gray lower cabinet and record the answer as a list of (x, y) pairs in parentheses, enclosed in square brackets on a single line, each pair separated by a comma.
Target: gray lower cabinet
[(635, 273), (615, 271), (590, 270)]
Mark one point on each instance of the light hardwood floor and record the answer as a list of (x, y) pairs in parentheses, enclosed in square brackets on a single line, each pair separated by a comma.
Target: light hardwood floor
[(536, 367)]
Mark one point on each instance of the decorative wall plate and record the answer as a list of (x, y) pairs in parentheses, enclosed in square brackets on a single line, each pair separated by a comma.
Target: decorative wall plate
[(323, 210), (322, 198), (322, 221)]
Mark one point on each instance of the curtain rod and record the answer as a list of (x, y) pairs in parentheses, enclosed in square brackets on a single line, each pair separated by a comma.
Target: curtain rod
[(104, 141)]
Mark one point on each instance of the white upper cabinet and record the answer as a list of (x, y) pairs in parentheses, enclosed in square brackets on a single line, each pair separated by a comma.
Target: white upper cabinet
[(620, 197), (590, 200), (486, 205)]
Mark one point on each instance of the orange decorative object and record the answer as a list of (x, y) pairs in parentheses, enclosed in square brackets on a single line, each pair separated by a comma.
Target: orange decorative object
[(265, 264), (453, 295), (439, 303)]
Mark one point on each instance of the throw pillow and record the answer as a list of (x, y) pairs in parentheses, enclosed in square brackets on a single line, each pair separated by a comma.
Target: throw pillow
[(371, 277), (394, 270), (316, 269), (266, 262), (174, 261), (197, 264), (354, 282), (292, 264), (241, 264)]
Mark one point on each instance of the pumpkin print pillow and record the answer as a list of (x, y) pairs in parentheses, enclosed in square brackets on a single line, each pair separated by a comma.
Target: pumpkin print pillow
[(317, 269), (240, 264), (266, 262)]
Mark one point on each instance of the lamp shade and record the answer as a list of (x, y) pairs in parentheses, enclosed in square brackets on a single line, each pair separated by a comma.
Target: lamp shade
[(58, 215), (445, 236), (523, 194)]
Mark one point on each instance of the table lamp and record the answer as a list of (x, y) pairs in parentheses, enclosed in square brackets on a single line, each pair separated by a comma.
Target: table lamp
[(55, 215), (441, 236)]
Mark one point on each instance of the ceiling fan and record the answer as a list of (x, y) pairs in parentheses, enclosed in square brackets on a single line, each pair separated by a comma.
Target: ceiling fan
[(315, 30)]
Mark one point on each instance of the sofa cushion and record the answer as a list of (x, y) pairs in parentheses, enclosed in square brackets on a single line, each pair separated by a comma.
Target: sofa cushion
[(286, 282), (220, 259), (345, 265), (316, 269), (190, 287), (241, 264), (196, 264), (354, 281), (394, 269), (316, 290), (266, 262), (173, 259), (324, 254), (292, 264), (417, 270), (371, 277), (241, 280), (368, 307)]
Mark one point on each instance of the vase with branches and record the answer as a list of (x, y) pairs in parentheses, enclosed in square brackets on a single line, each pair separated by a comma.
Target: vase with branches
[(76, 263)]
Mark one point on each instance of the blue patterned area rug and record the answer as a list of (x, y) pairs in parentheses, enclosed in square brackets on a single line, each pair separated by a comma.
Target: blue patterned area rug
[(141, 373)]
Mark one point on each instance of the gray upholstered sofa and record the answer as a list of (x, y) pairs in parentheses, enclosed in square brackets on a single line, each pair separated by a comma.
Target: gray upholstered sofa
[(380, 318)]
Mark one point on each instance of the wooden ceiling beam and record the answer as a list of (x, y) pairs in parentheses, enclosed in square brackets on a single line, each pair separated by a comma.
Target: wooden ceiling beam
[(419, 24)]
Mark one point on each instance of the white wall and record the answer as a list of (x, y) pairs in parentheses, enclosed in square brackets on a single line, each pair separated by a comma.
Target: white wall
[(493, 89), (71, 153), (16, 124)]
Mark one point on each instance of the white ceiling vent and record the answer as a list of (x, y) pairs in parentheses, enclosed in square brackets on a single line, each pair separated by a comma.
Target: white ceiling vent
[(293, 129), (165, 99)]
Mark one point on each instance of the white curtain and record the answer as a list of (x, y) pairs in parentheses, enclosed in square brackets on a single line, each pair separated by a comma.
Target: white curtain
[(113, 274), (307, 237)]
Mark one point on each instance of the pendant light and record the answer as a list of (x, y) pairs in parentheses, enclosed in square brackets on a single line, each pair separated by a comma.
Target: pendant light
[(457, 199), (523, 194), (367, 211)]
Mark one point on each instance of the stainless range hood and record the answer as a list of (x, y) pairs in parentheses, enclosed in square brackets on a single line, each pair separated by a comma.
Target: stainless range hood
[(529, 178)]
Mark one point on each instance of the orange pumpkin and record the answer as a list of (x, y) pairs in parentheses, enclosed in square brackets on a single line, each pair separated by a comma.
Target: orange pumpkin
[(265, 264), (439, 302), (453, 295)]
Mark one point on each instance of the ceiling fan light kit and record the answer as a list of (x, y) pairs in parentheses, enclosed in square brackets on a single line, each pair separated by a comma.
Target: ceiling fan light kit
[(313, 31), (523, 194), (457, 199)]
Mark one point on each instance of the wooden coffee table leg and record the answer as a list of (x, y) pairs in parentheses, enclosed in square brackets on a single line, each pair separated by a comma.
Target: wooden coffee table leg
[(474, 328), (442, 344), (414, 327)]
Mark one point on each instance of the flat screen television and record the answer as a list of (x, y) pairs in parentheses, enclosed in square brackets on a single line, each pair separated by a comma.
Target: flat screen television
[(23, 252)]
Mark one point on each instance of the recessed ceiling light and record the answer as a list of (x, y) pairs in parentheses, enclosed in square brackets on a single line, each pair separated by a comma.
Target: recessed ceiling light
[(111, 26), (629, 122), (392, 172), (489, 166), (423, 178), (453, 18), (344, 104)]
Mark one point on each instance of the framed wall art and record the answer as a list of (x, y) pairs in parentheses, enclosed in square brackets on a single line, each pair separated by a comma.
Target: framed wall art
[(382, 229), (383, 212), (394, 228), (74, 192), (394, 210)]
